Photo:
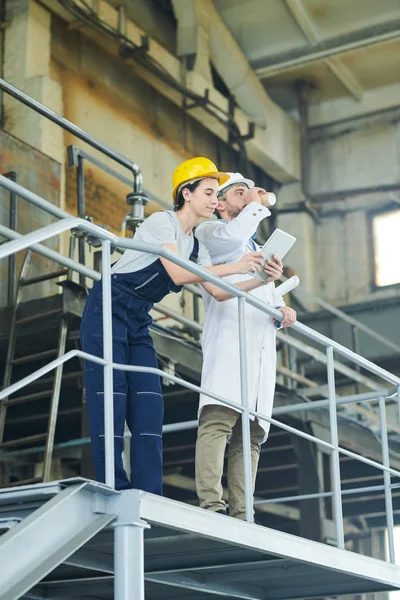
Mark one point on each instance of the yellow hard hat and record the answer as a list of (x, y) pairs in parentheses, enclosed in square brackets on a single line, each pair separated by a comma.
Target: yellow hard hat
[(195, 168)]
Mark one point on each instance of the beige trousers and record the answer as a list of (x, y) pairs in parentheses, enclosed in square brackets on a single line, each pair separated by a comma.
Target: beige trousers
[(216, 424)]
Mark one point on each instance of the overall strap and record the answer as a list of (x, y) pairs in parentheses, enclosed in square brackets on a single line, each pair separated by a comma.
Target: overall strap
[(195, 252)]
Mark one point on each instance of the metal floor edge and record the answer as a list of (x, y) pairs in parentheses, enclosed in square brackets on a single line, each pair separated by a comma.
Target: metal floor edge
[(190, 552)]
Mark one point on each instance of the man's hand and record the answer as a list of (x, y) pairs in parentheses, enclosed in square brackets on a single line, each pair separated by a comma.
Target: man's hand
[(253, 195), (273, 268), (250, 262), (289, 318)]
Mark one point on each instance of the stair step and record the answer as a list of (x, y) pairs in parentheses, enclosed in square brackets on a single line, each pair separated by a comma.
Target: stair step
[(49, 313), (24, 441), (24, 359), (45, 277), (44, 416), (66, 377), (28, 397)]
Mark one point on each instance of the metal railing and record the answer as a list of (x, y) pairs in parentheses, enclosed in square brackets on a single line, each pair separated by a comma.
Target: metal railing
[(12, 220), (327, 357), (32, 240), (77, 156)]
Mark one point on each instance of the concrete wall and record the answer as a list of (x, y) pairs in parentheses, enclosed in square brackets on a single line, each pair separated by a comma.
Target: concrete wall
[(41, 175), (102, 96), (358, 154), (96, 91)]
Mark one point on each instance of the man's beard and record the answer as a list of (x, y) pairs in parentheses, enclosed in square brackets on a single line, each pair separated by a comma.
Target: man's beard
[(233, 212)]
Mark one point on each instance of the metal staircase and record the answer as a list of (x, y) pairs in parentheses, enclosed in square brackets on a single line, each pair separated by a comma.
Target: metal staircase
[(38, 331), (48, 535), (16, 356)]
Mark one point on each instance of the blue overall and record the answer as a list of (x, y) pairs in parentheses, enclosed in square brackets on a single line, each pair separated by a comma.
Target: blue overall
[(137, 396)]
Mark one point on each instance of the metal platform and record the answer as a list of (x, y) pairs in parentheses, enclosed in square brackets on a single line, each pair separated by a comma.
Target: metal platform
[(188, 552)]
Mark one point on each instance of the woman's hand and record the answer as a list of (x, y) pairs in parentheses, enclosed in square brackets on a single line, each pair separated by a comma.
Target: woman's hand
[(273, 268), (250, 263)]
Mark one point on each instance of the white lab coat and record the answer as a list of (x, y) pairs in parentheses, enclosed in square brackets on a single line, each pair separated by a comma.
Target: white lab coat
[(228, 242)]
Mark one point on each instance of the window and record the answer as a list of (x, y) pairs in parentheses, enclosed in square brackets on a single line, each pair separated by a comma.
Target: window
[(386, 235)]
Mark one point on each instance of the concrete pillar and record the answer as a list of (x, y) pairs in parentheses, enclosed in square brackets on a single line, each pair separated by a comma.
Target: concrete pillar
[(27, 65)]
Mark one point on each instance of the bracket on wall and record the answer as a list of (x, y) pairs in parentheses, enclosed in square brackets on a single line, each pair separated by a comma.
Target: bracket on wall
[(127, 52), (236, 138), (199, 102)]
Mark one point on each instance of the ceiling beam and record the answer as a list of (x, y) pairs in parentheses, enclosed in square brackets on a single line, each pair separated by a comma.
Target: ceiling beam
[(346, 77), (322, 50), (334, 64), (337, 110)]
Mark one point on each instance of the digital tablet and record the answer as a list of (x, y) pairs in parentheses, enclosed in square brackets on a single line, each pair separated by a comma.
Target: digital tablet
[(278, 244)]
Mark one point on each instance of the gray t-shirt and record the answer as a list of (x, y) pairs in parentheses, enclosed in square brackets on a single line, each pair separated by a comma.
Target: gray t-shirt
[(162, 228)]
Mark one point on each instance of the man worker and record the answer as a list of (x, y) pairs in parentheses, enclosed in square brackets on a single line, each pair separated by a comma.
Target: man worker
[(240, 211)]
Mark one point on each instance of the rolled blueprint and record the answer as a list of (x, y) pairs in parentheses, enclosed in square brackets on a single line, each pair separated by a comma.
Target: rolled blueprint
[(287, 286), (284, 288)]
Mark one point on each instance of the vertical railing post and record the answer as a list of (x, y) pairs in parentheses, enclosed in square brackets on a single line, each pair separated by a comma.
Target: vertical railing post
[(293, 365), (248, 485), (337, 495), (356, 348), (108, 369), (80, 189), (12, 223), (71, 254), (398, 401), (196, 314), (386, 480)]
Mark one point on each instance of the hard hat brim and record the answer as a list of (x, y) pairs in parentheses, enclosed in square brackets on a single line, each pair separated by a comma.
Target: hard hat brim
[(249, 183), (222, 178)]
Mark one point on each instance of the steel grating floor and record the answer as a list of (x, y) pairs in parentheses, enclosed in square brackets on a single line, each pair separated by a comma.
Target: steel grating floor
[(193, 554)]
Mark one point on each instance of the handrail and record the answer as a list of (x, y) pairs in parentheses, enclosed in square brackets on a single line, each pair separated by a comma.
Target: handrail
[(299, 291), (33, 238), (119, 158), (290, 340), (15, 387), (193, 325), (75, 130), (74, 153), (138, 185), (75, 222), (67, 222), (345, 317)]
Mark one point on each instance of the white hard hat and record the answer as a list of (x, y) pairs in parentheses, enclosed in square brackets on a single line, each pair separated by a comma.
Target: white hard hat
[(235, 179)]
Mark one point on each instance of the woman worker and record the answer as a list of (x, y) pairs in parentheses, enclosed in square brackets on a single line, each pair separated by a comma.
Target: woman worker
[(138, 280)]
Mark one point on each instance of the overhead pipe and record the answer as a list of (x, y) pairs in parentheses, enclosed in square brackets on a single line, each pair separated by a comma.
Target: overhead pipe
[(228, 58)]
